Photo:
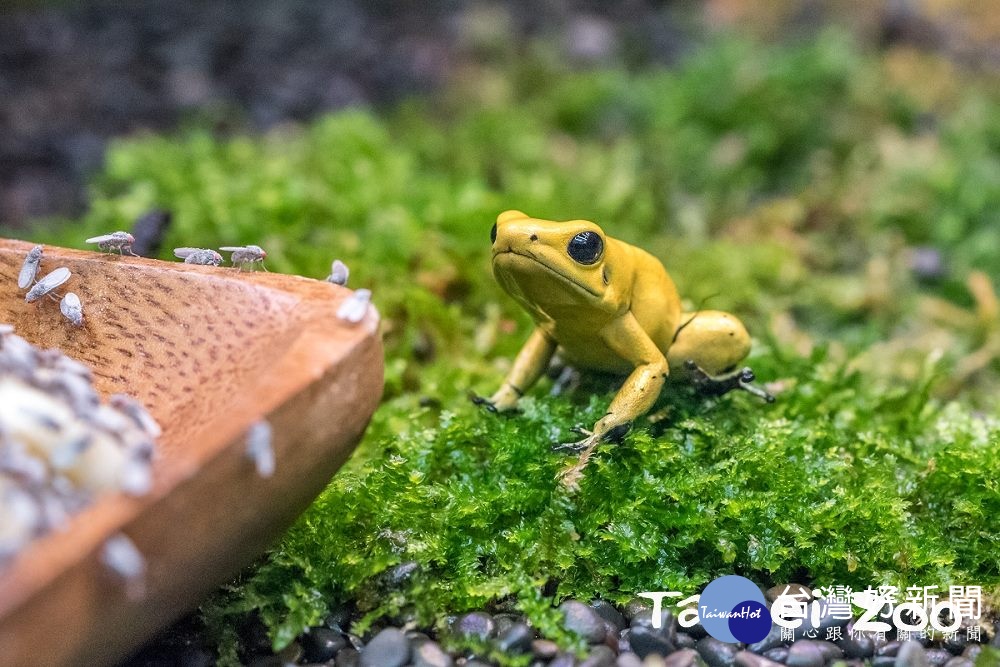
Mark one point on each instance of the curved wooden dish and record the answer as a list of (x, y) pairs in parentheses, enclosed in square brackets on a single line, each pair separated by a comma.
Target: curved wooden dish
[(209, 351)]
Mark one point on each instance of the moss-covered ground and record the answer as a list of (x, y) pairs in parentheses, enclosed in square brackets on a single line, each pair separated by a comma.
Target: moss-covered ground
[(845, 204)]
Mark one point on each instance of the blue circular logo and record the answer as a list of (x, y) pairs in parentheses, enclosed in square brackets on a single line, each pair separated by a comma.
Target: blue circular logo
[(732, 609)]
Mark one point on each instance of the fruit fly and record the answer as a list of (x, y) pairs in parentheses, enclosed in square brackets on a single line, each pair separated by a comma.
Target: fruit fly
[(137, 413), (72, 308), (47, 284), (246, 255), (338, 273), (29, 270), (201, 256), (120, 241), (259, 449), (353, 308), (120, 555)]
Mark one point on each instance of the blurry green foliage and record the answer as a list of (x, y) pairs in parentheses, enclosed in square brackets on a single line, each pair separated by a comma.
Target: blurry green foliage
[(772, 180)]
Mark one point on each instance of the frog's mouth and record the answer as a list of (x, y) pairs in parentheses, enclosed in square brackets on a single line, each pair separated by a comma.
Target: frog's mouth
[(558, 274)]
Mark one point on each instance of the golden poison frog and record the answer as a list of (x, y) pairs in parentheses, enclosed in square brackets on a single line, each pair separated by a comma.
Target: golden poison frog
[(608, 306)]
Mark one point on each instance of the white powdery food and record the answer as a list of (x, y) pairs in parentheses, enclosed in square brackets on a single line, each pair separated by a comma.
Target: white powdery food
[(60, 447)]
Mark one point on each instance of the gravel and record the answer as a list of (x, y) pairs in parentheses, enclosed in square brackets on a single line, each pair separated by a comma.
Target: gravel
[(640, 645)]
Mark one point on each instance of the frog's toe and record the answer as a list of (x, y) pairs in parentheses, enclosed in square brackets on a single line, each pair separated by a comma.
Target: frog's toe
[(571, 447), (745, 382), (722, 384), (483, 402)]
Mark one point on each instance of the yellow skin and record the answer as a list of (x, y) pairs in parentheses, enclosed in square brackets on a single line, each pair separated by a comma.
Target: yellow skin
[(617, 311)]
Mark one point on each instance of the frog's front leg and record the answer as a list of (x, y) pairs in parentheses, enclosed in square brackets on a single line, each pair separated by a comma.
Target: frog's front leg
[(627, 339), (528, 366)]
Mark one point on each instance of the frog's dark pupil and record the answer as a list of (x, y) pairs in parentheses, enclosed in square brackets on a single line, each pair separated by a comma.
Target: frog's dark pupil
[(585, 247), (493, 234)]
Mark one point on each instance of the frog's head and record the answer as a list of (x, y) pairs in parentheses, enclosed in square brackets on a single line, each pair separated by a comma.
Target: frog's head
[(546, 263)]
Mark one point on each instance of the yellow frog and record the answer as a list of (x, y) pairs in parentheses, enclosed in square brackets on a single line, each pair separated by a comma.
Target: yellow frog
[(607, 306)]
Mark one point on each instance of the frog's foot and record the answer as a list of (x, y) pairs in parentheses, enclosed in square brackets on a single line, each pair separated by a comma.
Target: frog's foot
[(723, 384), (614, 434), (567, 380), (483, 402), (578, 446), (571, 475)]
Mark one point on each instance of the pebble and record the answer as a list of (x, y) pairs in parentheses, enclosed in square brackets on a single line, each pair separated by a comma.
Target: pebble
[(634, 606), (938, 656), (505, 620), (646, 641), (860, 646), (911, 654), (972, 651), (416, 638), (957, 643), (889, 648), (684, 640), (563, 660), (388, 648), (600, 656), (266, 661), (959, 661), (808, 653), (430, 654), (477, 624), (584, 621), (717, 653), (322, 644), (544, 648), (748, 659), (772, 640), (684, 658), (628, 660), (348, 657), (516, 639), (778, 654), (607, 611)]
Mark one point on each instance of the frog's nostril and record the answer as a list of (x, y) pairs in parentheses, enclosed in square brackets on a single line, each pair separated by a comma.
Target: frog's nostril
[(533, 237)]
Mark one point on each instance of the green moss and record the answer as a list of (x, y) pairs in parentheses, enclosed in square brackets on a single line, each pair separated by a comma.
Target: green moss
[(780, 182)]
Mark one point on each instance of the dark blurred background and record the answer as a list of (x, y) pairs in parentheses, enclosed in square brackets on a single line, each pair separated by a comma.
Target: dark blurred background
[(74, 74)]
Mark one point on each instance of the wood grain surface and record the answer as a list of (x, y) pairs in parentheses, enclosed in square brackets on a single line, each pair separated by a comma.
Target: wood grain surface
[(209, 351)]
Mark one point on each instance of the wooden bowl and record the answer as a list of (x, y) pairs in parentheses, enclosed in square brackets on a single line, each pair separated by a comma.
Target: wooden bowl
[(209, 351)]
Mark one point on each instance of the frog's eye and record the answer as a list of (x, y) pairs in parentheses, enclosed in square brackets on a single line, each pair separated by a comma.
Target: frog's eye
[(585, 247), (493, 233)]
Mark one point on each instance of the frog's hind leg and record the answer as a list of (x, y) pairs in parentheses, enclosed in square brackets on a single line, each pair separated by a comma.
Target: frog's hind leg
[(707, 349)]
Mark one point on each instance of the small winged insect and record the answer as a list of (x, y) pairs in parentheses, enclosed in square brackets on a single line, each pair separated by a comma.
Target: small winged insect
[(137, 413), (47, 284), (246, 255), (259, 448), (120, 241), (29, 270), (72, 308), (353, 308), (201, 256), (338, 273), (124, 560)]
